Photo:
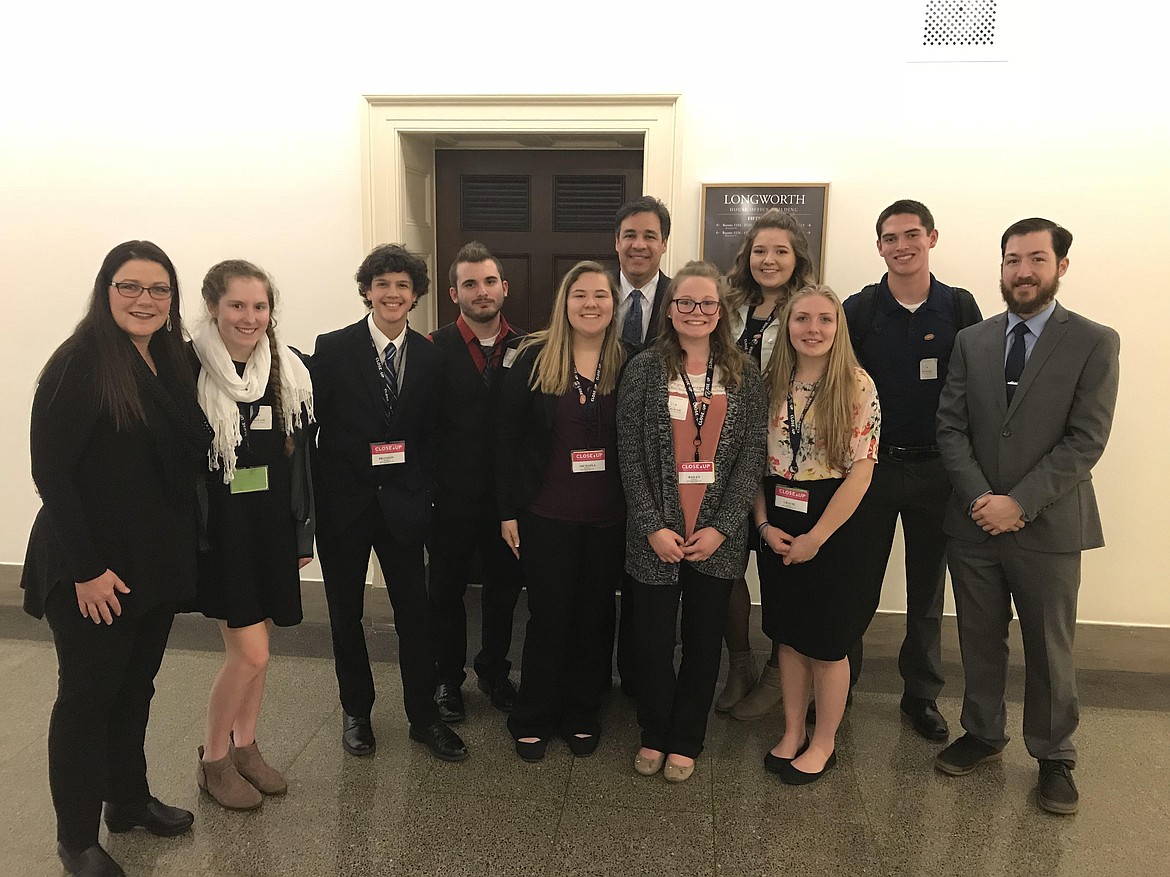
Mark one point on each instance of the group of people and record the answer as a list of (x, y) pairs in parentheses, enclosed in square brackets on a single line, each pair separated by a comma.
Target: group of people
[(653, 436)]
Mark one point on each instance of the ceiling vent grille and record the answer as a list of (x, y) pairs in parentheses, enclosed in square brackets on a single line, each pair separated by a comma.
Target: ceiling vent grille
[(957, 30)]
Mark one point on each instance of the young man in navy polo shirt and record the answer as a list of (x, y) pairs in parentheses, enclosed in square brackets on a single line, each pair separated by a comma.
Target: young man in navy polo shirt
[(903, 329), (478, 348)]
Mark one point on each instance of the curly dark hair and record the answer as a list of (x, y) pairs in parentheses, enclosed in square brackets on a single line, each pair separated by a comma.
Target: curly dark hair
[(389, 259)]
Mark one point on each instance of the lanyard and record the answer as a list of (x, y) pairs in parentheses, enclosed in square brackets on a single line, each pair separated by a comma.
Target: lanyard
[(749, 345), (796, 427), (592, 412), (699, 407)]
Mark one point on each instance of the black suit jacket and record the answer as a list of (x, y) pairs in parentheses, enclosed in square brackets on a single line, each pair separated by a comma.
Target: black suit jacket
[(523, 437), (656, 311), (350, 411)]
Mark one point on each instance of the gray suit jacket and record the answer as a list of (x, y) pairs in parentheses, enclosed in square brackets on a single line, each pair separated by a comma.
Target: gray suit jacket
[(1040, 449)]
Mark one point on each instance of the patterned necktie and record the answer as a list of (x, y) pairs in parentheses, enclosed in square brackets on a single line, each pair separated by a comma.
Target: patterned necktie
[(1014, 367), (632, 327), (489, 367), (391, 376)]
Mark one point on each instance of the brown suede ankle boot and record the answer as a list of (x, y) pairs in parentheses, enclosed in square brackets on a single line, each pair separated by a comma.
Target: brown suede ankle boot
[(222, 781), (252, 767)]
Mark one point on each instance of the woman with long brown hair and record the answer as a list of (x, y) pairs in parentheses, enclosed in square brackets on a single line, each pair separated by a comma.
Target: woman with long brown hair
[(773, 262), (692, 422), (559, 488), (117, 443), (821, 559), (258, 397)]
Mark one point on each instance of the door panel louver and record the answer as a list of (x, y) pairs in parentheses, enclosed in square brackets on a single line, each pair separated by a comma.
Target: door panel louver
[(494, 203), (587, 203)]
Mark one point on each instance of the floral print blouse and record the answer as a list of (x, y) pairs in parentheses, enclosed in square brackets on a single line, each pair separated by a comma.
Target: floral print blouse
[(812, 463)]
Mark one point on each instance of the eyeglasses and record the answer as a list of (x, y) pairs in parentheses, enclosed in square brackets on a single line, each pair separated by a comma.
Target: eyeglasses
[(133, 290), (687, 306)]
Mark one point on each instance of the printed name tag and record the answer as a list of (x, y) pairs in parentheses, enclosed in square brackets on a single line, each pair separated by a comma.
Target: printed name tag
[(253, 479), (509, 357), (928, 369), (702, 472), (263, 418), (791, 498), (588, 461), (678, 405), (387, 453)]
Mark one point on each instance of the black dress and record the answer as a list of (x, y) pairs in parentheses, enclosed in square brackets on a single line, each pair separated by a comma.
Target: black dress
[(250, 572)]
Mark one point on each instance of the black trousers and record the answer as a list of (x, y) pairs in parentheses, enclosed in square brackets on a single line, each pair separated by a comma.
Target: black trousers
[(105, 682), (456, 537), (918, 492), (344, 557), (570, 571), (673, 709)]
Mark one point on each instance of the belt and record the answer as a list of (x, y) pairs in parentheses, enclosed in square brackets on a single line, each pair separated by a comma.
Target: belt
[(908, 455)]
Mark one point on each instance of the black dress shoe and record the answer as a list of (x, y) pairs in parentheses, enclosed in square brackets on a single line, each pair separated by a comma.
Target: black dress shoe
[(794, 776), (532, 751), (582, 747), (449, 698), (90, 862), (1056, 792), (925, 717), (501, 692), (810, 715), (357, 735), (444, 743), (774, 763), (156, 817)]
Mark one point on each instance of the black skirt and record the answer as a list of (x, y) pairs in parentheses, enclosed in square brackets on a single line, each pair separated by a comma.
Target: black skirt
[(823, 606)]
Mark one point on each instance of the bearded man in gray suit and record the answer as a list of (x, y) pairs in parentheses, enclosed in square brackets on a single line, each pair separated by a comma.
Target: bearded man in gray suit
[(1023, 418)]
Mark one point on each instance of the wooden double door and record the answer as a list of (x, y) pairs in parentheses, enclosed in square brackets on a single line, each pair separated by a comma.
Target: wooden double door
[(539, 211)]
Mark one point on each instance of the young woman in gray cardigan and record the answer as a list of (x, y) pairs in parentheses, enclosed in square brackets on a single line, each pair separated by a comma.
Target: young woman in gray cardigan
[(692, 421)]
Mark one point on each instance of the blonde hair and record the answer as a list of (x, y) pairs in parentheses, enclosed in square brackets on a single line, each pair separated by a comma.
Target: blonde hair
[(834, 408), (728, 357), (552, 372)]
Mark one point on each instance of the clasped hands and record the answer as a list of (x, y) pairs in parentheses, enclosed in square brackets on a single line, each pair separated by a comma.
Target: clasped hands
[(672, 548), (997, 513), (794, 549)]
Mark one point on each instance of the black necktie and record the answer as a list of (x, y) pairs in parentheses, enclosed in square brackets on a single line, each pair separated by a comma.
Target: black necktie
[(632, 327), (1014, 367)]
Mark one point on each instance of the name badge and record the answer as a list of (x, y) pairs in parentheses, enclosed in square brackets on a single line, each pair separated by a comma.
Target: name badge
[(792, 498), (263, 418), (588, 461), (678, 405), (509, 357), (928, 369), (701, 472), (387, 453), (253, 479)]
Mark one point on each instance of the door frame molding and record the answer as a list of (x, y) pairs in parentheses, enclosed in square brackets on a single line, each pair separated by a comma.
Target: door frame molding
[(528, 120)]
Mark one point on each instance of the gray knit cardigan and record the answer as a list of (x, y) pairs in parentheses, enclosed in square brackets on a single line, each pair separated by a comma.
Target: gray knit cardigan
[(650, 479)]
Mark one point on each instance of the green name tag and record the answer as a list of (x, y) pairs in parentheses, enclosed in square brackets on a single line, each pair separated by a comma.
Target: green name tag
[(252, 480)]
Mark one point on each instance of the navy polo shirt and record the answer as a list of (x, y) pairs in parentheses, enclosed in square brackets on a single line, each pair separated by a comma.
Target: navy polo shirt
[(895, 344)]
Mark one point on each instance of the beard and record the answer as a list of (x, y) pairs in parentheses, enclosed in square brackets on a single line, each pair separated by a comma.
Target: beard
[(479, 316), (1030, 306)]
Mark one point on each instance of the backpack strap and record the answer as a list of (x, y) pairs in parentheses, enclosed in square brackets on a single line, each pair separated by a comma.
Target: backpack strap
[(863, 318), (967, 311)]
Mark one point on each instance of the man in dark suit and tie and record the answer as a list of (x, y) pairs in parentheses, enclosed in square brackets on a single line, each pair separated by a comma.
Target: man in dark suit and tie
[(377, 386), (1023, 418), (641, 229)]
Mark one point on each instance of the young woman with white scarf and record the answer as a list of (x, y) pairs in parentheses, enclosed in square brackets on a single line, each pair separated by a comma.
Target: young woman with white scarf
[(257, 396)]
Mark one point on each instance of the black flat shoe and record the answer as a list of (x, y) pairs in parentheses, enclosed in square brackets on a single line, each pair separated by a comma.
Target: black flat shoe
[(793, 776), (449, 699), (774, 763), (582, 747), (531, 752), (501, 692), (444, 743), (357, 735), (156, 817), (90, 862)]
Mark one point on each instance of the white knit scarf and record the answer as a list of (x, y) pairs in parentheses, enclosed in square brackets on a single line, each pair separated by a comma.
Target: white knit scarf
[(220, 388)]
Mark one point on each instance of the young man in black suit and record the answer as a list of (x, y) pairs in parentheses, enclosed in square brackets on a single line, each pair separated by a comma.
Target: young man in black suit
[(477, 349), (376, 385)]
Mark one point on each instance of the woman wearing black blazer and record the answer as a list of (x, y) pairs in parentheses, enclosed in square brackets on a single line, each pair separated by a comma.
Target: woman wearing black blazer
[(559, 488), (117, 441)]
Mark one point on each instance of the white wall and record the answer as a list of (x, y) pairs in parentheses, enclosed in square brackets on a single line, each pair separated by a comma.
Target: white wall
[(233, 129)]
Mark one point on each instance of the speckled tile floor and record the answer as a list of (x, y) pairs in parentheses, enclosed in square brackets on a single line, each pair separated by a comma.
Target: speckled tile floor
[(883, 811)]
